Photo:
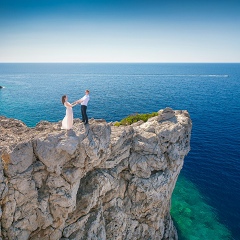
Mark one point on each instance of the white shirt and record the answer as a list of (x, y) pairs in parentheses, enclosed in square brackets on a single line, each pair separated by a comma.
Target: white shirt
[(85, 100)]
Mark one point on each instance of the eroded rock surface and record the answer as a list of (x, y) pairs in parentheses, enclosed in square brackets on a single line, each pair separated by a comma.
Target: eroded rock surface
[(94, 182)]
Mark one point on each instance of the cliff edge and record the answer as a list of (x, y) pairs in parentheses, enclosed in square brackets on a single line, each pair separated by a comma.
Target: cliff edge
[(95, 182)]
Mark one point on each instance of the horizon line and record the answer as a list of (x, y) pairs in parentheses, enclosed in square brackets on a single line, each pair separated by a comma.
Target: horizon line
[(121, 62)]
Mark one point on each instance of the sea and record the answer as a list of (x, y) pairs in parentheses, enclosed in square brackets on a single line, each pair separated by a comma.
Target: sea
[(206, 201)]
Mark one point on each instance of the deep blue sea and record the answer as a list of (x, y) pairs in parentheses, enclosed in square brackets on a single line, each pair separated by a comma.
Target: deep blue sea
[(207, 195)]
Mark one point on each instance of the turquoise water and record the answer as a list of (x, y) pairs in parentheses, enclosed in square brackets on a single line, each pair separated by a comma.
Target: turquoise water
[(211, 94), (194, 218)]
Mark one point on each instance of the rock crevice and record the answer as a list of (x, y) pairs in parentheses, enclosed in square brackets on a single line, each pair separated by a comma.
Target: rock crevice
[(94, 182)]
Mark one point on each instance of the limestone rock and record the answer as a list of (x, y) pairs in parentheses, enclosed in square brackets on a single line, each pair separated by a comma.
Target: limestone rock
[(95, 182)]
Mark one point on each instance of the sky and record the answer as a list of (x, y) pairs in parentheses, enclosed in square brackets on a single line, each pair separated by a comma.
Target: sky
[(119, 31)]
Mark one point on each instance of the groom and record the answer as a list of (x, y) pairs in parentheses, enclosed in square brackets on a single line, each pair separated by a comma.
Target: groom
[(84, 102)]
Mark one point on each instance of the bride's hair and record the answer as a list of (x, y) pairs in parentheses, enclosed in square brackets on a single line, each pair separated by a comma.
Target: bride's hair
[(63, 99)]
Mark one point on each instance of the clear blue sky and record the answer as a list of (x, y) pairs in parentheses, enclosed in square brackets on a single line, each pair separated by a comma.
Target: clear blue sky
[(119, 31)]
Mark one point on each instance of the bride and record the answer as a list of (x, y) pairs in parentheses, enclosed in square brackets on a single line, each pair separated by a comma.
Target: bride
[(67, 122)]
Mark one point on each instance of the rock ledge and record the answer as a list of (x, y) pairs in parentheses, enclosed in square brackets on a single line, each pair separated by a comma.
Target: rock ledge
[(94, 182)]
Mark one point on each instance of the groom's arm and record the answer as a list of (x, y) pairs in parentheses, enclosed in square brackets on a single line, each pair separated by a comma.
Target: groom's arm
[(74, 104), (77, 101), (80, 100)]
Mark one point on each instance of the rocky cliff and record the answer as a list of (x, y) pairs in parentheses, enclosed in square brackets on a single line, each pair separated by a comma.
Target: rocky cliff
[(94, 182)]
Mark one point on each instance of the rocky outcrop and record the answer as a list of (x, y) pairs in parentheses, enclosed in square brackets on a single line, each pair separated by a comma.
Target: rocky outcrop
[(94, 182)]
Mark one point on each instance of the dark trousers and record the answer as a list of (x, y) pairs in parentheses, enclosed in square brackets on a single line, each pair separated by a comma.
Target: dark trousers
[(84, 113)]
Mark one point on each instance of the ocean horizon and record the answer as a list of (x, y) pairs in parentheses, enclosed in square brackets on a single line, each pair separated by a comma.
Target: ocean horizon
[(205, 202)]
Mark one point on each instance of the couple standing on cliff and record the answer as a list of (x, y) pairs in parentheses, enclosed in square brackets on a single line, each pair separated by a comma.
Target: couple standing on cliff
[(67, 122)]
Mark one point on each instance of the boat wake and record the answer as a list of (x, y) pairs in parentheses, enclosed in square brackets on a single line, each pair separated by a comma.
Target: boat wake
[(152, 75)]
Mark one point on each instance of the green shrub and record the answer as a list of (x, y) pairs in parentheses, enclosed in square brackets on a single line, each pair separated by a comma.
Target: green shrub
[(135, 118), (117, 124)]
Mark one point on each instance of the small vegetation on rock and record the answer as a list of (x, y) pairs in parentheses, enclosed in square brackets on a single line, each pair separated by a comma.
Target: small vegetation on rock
[(135, 118)]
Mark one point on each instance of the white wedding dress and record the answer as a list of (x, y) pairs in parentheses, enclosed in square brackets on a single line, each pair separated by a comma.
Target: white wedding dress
[(67, 122)]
